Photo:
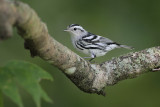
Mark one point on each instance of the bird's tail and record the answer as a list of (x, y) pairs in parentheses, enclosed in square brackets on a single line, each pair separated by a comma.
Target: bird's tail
[(127, 47)]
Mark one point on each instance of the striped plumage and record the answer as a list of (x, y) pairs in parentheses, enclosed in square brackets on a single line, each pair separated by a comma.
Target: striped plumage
[(91, 44)]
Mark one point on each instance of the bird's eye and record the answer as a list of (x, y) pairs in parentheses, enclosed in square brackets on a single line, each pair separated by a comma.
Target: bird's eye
[(75, 28)]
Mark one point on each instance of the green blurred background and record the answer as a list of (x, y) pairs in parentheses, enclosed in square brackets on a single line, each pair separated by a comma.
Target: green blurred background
[(131, 22)]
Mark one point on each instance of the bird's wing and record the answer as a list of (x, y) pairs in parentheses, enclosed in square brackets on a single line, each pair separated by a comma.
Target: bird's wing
[(89, 38), (85, 45), (103, 43), (87, 42), (96, 39), (107, 41)]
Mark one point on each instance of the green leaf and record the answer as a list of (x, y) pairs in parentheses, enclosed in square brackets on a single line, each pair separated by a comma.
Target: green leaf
[(8, 86), (28, 76)]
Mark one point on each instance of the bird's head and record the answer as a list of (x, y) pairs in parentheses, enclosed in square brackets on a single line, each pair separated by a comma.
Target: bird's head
[(76, 30)]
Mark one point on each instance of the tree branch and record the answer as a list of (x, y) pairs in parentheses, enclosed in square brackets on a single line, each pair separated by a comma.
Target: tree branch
[(90, 78)]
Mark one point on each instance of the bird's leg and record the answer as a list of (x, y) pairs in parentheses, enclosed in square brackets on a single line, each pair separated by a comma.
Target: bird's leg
[(92, 57)]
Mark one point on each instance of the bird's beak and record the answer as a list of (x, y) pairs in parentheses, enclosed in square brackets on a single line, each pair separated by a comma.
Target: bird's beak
[(66, 30)]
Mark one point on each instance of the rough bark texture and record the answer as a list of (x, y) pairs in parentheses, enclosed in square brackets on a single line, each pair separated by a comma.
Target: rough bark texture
[(90, 78)]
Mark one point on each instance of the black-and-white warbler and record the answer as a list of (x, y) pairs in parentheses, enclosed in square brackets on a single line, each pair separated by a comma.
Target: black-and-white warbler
[(91, 44)]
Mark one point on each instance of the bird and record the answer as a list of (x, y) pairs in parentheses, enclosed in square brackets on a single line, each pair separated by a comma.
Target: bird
[(91, 44)]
